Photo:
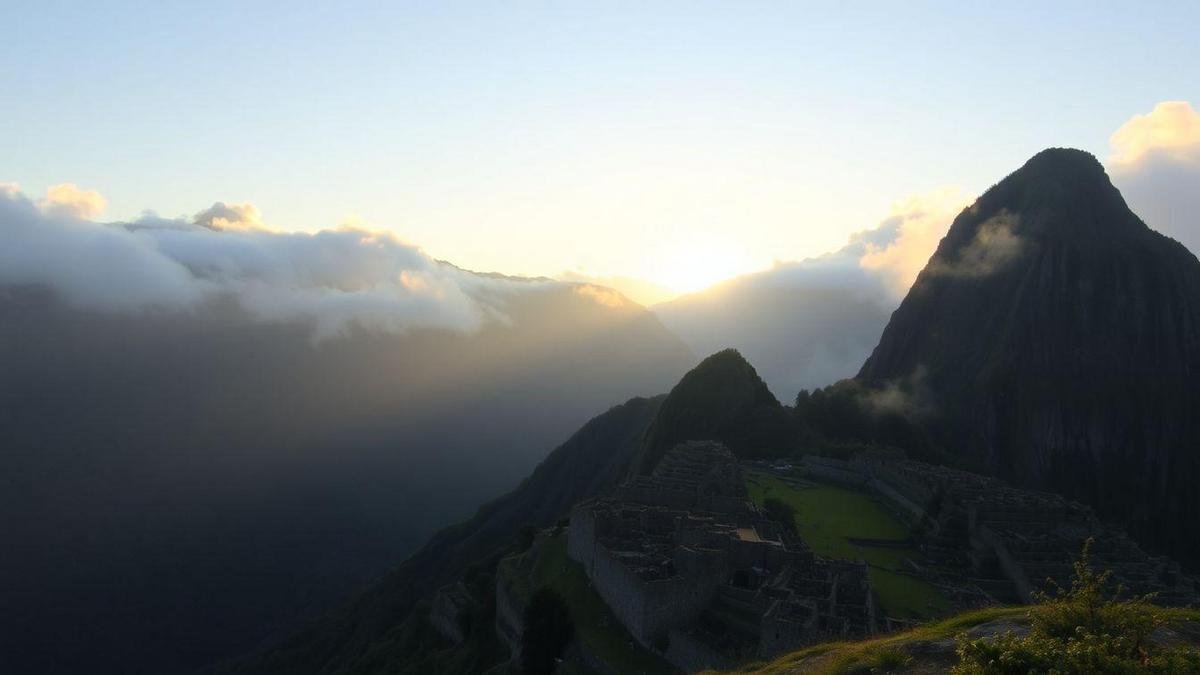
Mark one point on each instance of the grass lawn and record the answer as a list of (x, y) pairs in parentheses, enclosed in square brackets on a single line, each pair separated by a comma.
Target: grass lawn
[(828, 517), (595, 624)]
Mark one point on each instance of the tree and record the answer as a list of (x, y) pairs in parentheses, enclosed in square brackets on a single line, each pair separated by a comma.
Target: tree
[(779, 510), (547, 630)]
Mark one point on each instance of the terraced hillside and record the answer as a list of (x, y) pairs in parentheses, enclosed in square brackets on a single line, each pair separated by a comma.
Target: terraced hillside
[(837, 522)]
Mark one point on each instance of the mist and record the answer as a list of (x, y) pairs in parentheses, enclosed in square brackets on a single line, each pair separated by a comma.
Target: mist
[(214, 431)]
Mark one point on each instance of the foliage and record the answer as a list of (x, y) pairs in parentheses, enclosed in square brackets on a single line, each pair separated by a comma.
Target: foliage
[(1083, 629), (781, 512), (546, 631), (887, 660)]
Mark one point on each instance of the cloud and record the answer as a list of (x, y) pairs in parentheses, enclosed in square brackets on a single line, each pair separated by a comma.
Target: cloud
[(643, 292), (900, 247), (222, 216), (908, 396), (68, 199), (1171, 129), (993, 246), (601, 296), (334, 279), (1155, 161)]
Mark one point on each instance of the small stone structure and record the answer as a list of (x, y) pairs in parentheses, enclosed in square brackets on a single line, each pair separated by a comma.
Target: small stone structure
[(693, 569)]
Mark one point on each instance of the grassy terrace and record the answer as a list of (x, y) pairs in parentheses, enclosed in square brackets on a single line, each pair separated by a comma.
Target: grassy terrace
[(829, 517), (595, 624), (837, 658)]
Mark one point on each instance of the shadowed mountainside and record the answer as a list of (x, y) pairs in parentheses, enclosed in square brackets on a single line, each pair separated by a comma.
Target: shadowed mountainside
[(1054, 339), (187, 486), (365, 635)]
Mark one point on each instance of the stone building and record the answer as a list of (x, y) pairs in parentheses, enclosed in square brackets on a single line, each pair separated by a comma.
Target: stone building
[(693, 569)]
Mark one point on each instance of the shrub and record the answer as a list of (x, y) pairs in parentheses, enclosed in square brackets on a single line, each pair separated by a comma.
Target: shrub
[(547, 630), (781, 512), (1083, 629)]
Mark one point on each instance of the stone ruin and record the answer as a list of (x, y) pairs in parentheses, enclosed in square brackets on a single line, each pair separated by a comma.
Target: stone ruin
[(692, 569), (988, 542)]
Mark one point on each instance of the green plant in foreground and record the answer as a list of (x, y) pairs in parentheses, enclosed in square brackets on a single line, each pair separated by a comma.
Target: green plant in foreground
[(1083, 629)]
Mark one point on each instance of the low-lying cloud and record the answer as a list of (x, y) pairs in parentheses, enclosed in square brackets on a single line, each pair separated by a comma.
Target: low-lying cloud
[(900, 247), (334, 278), (994, 246)]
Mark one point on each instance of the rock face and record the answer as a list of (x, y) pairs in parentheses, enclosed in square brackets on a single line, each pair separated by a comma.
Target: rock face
[(1056, 340)]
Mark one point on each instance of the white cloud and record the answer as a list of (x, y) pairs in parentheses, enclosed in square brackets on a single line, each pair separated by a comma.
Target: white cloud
[(1172, 129), (333, 278), (68, 199), (900, 247), (222, 216), (1155, 162)]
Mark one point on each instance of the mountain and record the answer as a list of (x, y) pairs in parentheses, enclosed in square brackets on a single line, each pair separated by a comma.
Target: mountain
[(721, 399), (804, 324), (1053, 339), (182, 486), (366, 634)]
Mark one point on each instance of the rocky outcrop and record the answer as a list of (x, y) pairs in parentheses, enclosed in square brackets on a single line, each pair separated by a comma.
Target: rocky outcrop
[(1053, 339)]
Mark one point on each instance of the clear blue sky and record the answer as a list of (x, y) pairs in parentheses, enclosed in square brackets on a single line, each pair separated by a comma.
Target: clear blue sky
[(534, 138)]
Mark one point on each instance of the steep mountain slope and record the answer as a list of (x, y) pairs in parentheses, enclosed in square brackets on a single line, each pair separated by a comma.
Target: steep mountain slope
[(803, 324), (214, 479), (721, 399), (364, 635), (1054, 339)]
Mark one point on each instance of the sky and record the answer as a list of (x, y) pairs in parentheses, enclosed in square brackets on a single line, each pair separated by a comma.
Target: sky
[(676, 143)]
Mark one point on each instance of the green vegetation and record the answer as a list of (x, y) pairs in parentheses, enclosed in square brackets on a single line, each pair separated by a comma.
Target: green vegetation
[(1078, 631), (595, 625), (1083, 629), (838, 658), (829, 517), (547, 628)]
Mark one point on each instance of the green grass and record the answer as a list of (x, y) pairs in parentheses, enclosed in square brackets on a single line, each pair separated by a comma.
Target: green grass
[(595, 623), (839, 658), (835, 658), (828, 517)]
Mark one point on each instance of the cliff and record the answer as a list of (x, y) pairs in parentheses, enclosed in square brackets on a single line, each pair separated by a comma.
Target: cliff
[(1057, 339)]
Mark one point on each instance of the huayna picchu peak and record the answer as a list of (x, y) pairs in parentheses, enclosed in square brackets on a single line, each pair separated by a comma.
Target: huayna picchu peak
[(1058, 341)]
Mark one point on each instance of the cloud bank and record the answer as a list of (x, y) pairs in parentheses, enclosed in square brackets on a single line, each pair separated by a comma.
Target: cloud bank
[(334, 278), (1155, 161)]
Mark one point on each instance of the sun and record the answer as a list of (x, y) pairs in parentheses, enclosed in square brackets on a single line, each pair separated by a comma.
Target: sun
[(695, 266)]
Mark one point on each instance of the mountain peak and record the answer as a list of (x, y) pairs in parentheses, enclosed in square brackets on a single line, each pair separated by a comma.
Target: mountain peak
[(1048, 317), (721, 399), (1059, 194)]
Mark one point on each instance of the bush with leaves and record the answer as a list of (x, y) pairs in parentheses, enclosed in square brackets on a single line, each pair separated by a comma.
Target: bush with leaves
[(781, 512), (546, 631), (1083, 629)]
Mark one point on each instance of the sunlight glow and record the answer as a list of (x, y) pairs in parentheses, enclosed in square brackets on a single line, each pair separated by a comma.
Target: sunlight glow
[(698, 264)]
